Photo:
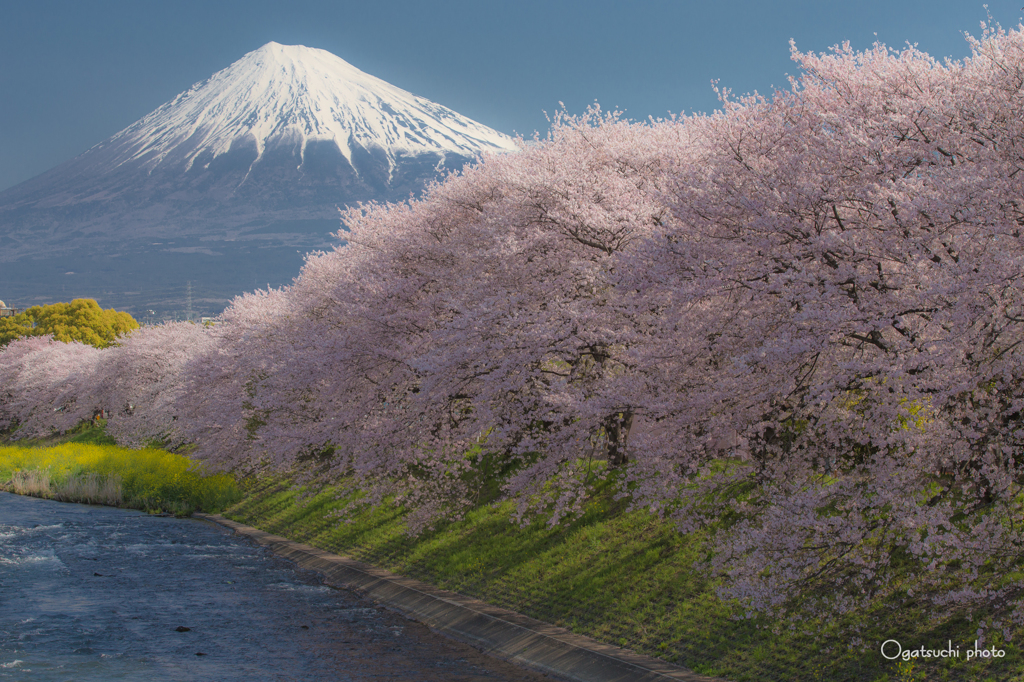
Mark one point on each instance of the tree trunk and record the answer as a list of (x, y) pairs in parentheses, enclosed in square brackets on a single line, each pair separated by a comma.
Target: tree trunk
[(617, 429)]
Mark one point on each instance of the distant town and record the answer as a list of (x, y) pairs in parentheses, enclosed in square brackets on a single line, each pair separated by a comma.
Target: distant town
[(150, 318)]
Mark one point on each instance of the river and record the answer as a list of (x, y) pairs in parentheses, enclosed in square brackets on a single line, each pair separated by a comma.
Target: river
[(99, 593)]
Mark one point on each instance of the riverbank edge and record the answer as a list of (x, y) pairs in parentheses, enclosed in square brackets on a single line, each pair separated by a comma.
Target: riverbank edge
[(496, 631)]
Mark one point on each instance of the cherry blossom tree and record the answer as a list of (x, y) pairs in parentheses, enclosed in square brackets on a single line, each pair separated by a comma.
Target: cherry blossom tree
[(141, 382), (846, 260), (482, 313), (216, 409), (43, 385)]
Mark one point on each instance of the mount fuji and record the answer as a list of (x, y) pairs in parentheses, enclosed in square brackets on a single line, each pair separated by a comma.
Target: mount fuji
[(227, 185)]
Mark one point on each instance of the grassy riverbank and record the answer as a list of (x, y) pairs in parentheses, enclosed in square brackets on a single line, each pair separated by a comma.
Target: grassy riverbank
[(625, 578), (88, 468), (622, 577)]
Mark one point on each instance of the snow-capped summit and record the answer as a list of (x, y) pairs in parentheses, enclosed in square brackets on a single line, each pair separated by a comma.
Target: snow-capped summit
[(228, 184), (307, 95)]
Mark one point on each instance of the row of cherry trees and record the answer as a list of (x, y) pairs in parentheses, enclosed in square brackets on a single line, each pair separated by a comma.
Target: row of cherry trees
[(796, 322)]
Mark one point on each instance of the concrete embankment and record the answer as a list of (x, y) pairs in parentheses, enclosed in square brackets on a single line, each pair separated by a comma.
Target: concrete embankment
[(506, 634)]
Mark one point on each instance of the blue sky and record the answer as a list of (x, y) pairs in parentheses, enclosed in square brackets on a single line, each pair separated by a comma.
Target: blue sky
[(73, 73)]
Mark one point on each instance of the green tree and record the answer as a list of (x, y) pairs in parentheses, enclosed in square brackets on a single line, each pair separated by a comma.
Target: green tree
[(81, 320)]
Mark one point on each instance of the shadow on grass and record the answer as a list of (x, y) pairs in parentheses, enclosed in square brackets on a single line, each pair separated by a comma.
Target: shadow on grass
[(626, 578)]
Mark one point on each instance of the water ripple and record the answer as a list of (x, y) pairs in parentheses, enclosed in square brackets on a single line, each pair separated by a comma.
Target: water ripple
[(98, 593)]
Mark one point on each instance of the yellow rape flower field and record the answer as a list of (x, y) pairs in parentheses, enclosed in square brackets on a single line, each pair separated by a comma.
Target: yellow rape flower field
[(151, 480)]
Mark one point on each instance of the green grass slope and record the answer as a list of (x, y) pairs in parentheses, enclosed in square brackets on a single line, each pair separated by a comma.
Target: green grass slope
[(627, 578)]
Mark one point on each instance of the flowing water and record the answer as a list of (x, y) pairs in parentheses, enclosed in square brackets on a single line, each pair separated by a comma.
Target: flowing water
[(98, 593)]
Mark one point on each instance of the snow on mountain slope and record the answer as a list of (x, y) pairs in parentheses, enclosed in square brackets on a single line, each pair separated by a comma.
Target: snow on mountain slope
[(291, 90)]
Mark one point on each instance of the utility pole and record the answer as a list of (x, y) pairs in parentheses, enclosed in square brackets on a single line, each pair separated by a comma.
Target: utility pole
[(188, 302)]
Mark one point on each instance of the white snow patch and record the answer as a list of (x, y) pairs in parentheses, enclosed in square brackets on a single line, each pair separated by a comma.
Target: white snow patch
[(290, 91)]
